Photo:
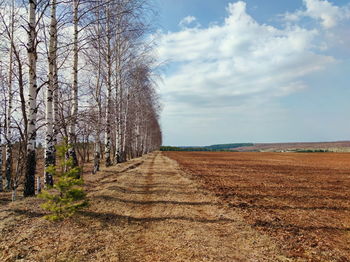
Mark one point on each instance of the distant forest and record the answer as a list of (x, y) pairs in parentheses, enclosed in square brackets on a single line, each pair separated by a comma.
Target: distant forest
[(220, 147)]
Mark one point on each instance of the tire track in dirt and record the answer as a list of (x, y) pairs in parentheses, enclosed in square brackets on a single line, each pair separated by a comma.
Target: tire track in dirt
[(155, 212)]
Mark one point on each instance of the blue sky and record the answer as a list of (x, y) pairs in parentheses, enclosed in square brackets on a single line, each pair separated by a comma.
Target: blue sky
[(209, 11), (254, 71)]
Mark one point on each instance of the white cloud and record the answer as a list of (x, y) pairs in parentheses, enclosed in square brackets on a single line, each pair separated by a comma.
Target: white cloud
[(240, 69), (189, 21), (229, 64), (322, 10)]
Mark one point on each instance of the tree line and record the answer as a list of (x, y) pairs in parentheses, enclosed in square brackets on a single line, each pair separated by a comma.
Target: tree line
[(219, 147), (75, 70)]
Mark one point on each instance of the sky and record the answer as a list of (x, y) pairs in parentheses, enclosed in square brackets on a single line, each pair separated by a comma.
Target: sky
[(254, 71)]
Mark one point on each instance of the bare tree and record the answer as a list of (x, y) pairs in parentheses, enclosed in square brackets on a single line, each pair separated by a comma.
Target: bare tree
[(8, 161), (108, 142), (98, 98), (111, 106), (50, 140), (74, 90), (29, 185)]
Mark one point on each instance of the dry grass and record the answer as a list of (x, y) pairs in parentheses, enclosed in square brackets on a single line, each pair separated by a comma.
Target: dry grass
[(143, 210), (26, 235)]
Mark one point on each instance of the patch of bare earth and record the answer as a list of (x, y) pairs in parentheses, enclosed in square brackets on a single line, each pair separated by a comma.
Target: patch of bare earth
[(143, 210), (301, 200)]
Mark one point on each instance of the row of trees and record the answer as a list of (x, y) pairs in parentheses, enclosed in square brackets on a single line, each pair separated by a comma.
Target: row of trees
[(81, 70)]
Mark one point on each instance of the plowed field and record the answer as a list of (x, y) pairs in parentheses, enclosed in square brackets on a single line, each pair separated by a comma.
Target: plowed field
[(302, 200)]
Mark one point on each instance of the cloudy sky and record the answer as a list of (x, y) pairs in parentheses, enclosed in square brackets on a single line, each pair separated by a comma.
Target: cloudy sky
[(254, 71)]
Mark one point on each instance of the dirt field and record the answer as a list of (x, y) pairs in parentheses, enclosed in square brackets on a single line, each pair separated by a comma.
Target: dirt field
[(300, 200), (340, 146), (143, 210)]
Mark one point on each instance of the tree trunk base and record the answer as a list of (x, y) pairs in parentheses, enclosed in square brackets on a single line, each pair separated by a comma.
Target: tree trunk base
[(29, 183)]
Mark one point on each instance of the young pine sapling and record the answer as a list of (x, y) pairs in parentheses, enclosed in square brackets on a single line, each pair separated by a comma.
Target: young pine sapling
[(66, 196)]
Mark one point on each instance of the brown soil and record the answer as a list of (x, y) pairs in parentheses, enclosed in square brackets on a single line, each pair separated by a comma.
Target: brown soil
[(143, 210), (300, 200), (340, 146)]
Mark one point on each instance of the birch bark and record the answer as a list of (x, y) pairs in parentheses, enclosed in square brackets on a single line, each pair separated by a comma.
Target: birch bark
[(74, 91), (108, 142), (97, 155), (8, 161), (29, 183), (118, 99), (124, 127), (50, 146), (55, 117)]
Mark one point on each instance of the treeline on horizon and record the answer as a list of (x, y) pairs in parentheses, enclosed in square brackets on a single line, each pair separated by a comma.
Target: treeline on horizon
[(220, 147), (231, 148)]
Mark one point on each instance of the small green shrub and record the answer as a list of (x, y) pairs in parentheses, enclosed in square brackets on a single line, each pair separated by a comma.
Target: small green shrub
[(66, 196)]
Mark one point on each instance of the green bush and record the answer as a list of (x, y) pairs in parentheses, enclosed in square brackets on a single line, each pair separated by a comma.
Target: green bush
[(66, 196)]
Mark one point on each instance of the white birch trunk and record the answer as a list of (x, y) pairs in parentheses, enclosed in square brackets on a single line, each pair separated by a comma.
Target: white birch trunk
[(144, 144), (120, 115), (108, 142), (97, 155), (74, 91), (8, 161), (118, 93), (29, 185), (55, 117), (50, 146), (118, 136), (137, 134), (125, 125)]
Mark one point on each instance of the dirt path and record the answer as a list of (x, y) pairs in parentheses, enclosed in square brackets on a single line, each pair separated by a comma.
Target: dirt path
[(168, 218), (145, 210)]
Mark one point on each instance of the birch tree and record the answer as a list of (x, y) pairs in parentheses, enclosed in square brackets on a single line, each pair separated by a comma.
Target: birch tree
[(52, 62), (8, 161), (29, 184), (55, 87), (93, 55), (95, 59), (108, 142), (116, 110), (74, 90), (97, 155)]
